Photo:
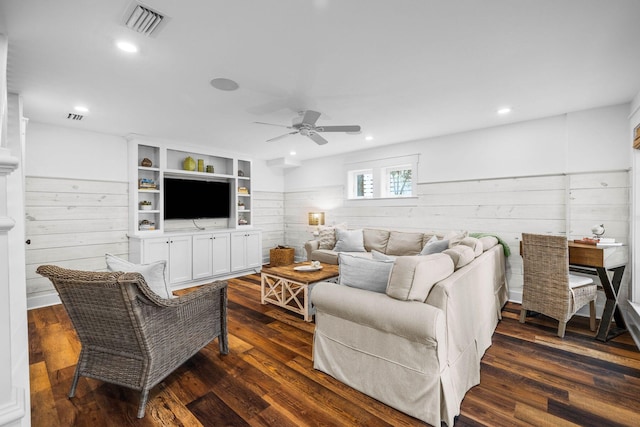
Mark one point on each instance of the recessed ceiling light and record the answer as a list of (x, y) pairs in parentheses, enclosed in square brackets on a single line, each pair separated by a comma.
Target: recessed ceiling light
[(224, 84), (81, 109), (292, 153), (127, 47), (504, 110), (368, 138)]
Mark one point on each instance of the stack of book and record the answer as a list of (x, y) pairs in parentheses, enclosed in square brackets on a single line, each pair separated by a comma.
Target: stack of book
[(147, 184), (602, 242)]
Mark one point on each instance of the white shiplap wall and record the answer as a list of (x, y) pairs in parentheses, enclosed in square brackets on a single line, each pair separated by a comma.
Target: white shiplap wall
[(71, 223), (268, 211), (550, 204)]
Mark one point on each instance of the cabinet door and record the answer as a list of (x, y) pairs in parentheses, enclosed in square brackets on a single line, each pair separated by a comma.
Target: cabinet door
[(238, 251), (253, 247), (221, 253), (155, 250), (180, 251), (202, 256), (246, 250)]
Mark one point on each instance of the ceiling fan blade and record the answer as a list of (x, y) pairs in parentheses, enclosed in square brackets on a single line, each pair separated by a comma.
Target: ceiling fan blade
[(345, 128), (281, 136), (273, 124), (317, 138), (310, 117)]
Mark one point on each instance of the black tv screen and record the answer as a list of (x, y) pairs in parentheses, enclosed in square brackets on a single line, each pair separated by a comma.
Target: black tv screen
[(192, 199)]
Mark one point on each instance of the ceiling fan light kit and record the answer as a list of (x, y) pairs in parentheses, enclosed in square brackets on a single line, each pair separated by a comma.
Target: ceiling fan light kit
[(305, 125)]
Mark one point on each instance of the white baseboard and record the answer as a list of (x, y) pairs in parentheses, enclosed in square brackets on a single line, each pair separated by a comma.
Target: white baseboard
[(44, 300)]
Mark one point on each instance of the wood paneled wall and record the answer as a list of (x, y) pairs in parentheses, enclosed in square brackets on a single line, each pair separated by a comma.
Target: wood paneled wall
[(553, 204), (268, 213), (73, 223)]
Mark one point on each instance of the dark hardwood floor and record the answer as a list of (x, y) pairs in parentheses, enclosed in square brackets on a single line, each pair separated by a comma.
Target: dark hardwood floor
[(529, 377)]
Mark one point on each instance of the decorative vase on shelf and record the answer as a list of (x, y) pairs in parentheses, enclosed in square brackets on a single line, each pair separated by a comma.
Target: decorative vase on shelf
[(200, 165), (189, 164)]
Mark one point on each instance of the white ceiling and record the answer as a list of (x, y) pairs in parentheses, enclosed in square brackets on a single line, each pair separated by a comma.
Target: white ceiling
[(402, 69)]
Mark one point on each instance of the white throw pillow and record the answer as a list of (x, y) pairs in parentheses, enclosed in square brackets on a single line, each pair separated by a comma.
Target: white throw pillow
[(153, 273), (363, 273), (349, 240)]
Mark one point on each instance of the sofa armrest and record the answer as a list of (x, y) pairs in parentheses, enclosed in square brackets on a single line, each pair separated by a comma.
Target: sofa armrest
[(415, 321), (310, 246)]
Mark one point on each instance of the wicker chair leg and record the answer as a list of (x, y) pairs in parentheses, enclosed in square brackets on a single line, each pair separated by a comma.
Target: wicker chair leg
[(74, 383), (562, 326), (144, 396), (592, 315), (223, 342), (523, 315)]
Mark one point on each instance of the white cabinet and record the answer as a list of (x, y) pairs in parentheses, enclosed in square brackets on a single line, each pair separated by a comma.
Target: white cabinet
[(211, 255), (221, 253), (156, 249), (246, 250), (180, 256), (202, 256), (175, 250)]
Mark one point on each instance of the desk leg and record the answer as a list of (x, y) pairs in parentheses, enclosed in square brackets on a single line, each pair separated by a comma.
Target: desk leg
[(611, 309)]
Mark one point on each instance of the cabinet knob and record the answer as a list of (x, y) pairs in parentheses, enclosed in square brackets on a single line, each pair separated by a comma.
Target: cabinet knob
[(28, 242)]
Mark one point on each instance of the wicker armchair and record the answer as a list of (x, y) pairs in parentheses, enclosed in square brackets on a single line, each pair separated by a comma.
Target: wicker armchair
[(548, 287), (129, 335)]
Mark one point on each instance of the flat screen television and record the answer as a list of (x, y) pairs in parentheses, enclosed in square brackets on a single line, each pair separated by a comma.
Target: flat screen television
[(193, 199)]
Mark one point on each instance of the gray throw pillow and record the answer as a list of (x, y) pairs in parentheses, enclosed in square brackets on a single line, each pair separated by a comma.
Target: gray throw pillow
[(435, 247), (349, 241), (368, 274)]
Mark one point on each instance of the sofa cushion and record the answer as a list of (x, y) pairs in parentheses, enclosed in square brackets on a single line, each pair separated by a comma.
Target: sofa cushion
[(349, 240), (375, 240), (461, 255), (413, 277), (474, 244), (153, 273), (434, 246), (488, 242), (380, 256), (328, 256), (455, 237), (363, 273), (401, 243)]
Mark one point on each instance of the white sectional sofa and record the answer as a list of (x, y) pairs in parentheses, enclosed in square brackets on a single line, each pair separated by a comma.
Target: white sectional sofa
[(414, 342)]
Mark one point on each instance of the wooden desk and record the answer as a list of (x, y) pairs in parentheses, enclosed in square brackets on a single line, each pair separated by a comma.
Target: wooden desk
[(586, 258), (597, 261)]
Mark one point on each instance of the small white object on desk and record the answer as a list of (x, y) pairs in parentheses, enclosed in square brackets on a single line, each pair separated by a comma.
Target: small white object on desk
[(607, 245)]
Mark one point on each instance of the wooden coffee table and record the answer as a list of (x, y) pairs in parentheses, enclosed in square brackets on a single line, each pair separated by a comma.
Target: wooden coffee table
[(290, 289)]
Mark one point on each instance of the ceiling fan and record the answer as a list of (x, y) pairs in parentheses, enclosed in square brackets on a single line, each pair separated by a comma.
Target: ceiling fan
[(305, 124)]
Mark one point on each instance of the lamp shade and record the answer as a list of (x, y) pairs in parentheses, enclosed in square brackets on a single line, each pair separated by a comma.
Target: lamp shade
[(316, 218)]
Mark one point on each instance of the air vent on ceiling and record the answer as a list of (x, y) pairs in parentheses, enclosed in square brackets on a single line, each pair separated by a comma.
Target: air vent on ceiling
[(143, 20), (74, 116)]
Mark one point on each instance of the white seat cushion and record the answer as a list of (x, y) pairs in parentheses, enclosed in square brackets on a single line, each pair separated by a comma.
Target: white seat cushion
[(577, 281)]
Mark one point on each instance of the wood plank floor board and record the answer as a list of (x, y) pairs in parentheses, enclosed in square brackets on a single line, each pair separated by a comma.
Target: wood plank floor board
[(529, 376)]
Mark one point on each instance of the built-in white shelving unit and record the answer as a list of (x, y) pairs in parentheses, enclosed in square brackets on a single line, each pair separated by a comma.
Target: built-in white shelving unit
[(146, 183)]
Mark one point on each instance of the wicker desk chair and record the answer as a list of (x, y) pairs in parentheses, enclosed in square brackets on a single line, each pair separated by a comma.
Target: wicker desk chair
[(548, 287), (129, 335)]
